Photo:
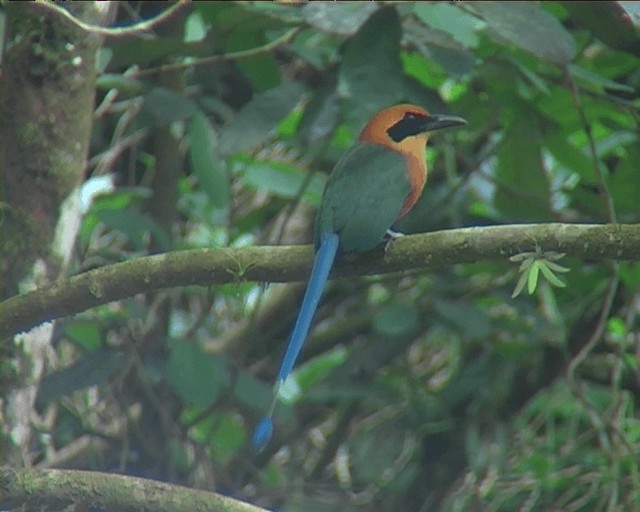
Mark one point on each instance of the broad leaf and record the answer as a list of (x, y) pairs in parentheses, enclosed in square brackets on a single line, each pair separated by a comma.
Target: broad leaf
[(210, 170), (258, 120), (527, 26)]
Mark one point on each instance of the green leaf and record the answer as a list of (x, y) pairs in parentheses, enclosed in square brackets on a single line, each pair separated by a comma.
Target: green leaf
[(625, 183), (532, 277), (529, 27), (555, 267), (252, 392), (396, 320), (198, 378), (342, 18), (279, 178), (522, 281), (84, 333), (630, 274), (227, 436), (370, 76), (568, 155), (449, 18), (120, 82), (469, 319), (258, 119), (320, 118), (608, 22), (90, 370), (209, 170), (599, 82), (136, 226), (162, 107), (146, 50), (521, 256), (316, 369), (550, 276), (523, 192)]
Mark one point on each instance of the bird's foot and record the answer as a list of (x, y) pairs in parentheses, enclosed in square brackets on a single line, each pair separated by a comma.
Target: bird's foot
[(393, 235)]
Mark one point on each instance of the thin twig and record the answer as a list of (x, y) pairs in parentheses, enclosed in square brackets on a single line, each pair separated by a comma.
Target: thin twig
[(242, 54), (605, 195), (596, 335), (603, 188), (136, 28)]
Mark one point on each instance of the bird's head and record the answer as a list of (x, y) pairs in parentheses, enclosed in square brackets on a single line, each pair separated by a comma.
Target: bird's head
[(405, 128)]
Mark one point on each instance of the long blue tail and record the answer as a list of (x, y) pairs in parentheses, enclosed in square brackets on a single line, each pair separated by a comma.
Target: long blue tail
[(325, 256)]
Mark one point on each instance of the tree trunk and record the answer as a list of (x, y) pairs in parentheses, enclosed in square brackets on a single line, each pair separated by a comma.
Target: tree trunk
[(46, 96)]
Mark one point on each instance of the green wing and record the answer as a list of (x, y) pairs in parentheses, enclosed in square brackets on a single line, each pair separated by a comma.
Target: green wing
[(363, 197)]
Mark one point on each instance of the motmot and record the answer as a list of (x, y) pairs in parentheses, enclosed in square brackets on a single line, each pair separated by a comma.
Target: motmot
[(376, 182)]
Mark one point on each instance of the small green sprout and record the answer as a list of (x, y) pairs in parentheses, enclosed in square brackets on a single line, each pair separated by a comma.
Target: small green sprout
[(536, 263)]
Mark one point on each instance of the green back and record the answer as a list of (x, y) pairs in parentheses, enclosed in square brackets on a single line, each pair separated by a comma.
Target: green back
[(363, 197)]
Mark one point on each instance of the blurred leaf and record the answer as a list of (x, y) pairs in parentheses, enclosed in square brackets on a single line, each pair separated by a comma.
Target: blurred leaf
[(630, 274), (227, 436), (90, 370), (236, 27), (370, 76), (258, 120), (135, 226), (288, 14), (522, 281), (523, 191), (84, 333), (209, 170), (569, 156), (469, 319), (279, 178), (375, 452), (625, 183), (614, 144), (252, 392), (426, 73), (339, 18), (197, 377), (179, 455), (321, 116), (163, 107), (449, 18), (443, 49), (262, 70), (147, 50), (528, 27), (596, 80), (318, 49), (396, 320), (319, 367), (609, 22), (120, 82)]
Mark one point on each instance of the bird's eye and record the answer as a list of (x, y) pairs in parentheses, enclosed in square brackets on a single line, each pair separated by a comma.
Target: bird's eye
[(412, 116)]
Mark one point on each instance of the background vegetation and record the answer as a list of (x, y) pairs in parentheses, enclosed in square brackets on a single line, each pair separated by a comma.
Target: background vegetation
[(216, 128)]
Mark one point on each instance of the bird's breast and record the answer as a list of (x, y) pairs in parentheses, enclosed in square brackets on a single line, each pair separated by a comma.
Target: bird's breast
[(417, 176)]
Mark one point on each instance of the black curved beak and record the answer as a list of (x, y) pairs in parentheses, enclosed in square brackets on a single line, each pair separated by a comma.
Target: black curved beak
[(440, 121)]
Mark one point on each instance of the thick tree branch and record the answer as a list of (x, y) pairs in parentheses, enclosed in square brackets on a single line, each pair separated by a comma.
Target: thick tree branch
[(51, 488), (205, 267)]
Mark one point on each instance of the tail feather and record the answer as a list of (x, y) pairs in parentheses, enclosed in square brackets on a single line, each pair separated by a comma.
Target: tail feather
[(325, 256)]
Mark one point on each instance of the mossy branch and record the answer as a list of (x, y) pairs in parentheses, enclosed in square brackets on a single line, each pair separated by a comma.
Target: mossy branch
[(53, 488), (207, 267)]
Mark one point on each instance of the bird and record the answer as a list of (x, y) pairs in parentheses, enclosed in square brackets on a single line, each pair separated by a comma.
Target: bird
[(375, 183)]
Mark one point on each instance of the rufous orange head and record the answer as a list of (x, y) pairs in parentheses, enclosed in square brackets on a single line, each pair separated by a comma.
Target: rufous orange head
[(405, 128)]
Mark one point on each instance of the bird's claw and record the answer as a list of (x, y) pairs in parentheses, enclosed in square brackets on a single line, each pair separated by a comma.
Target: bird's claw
[(393, 235)]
